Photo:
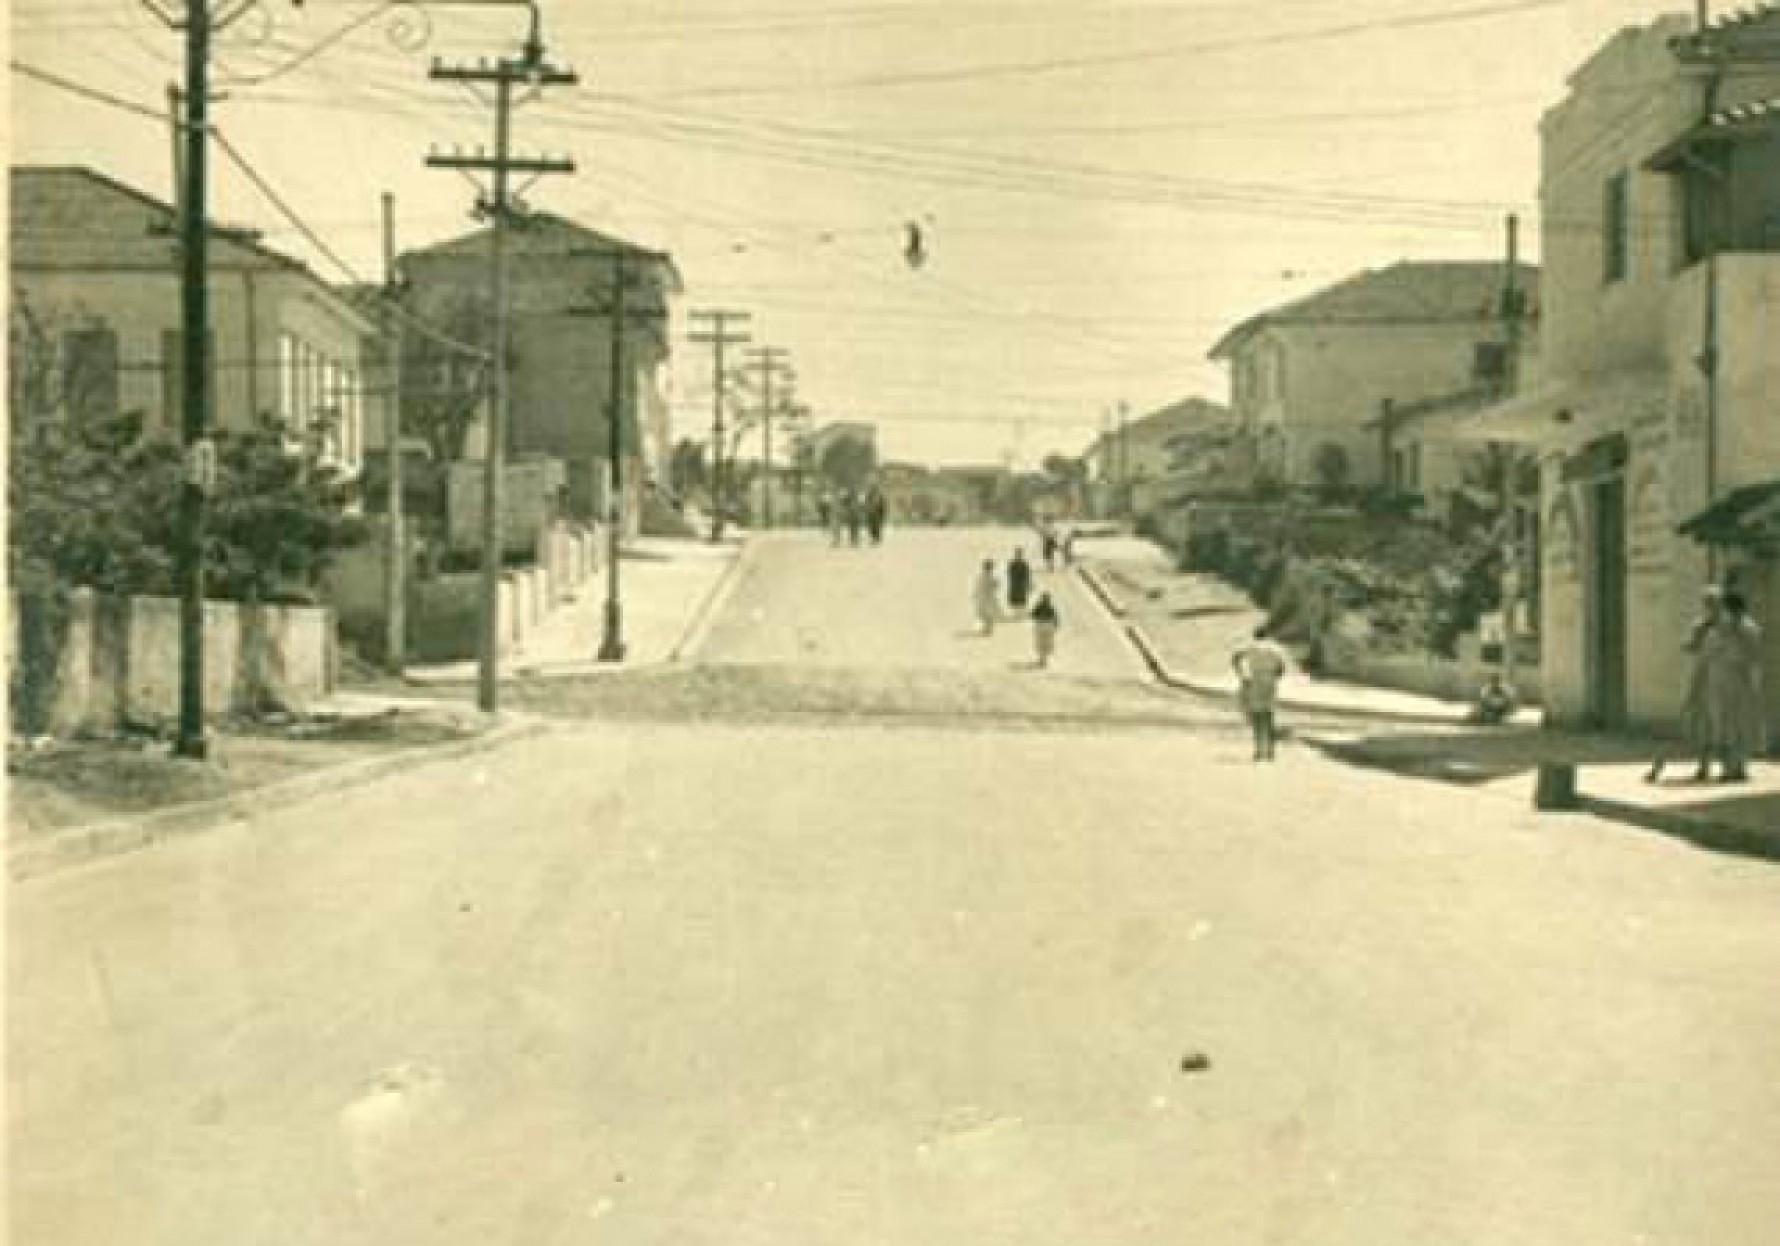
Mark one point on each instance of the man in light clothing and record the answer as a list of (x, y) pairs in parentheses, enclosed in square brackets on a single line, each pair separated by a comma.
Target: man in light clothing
[(1260, 665)]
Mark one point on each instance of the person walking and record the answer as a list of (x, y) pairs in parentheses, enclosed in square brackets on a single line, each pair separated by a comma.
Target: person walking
[(1260, 665), (1019, 582), (876, 511), (1045, 625), (986, 596), (1730, 653), (1048, 546)]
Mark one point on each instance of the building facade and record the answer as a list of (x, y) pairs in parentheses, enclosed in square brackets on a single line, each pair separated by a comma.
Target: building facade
[(1658, 413), (1309, 379), (95, 319), (561, 292), (1136, 465)]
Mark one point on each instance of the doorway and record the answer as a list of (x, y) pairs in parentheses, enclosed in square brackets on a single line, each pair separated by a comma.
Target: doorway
[(1606, 632)]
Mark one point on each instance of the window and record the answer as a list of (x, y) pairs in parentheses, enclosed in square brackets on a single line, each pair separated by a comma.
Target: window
[(89, 374), (1616, 227)]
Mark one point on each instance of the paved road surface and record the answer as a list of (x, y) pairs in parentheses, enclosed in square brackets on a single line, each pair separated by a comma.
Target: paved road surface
[(906, 603), (690, 983)]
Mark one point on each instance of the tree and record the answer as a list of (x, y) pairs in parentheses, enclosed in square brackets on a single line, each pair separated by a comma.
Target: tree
[(849, 460), (443, 388)]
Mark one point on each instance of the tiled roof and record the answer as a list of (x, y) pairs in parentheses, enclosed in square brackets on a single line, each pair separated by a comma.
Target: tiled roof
[(75, 217), (542, 233), (1411, 292)]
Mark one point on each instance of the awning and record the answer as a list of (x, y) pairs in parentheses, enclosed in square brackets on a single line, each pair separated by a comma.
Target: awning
[(1569, 413), (1757, 119), (1745, 517)]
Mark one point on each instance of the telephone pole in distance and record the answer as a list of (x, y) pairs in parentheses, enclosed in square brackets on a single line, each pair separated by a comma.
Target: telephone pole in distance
[(772, 364), (718, 337)]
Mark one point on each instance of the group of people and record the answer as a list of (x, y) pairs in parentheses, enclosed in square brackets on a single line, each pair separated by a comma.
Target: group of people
[(849, 515), (1722, 713), (986, 596)]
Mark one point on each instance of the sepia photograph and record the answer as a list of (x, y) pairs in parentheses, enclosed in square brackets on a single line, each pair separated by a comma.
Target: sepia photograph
[(914, 623)]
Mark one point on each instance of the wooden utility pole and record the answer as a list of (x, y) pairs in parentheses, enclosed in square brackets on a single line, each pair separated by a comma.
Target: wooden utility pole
[(528, 69), (772, 364), (194, 364), (395, 588), (1513, 308), (718, 337)]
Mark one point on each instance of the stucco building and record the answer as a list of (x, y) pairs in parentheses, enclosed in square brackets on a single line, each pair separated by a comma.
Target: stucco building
[(1308, 379), (561, 281), (1657, 419), (96, 315)]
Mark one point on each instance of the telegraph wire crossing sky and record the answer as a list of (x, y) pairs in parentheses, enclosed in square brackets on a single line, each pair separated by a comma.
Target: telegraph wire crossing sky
[(1094, 191)]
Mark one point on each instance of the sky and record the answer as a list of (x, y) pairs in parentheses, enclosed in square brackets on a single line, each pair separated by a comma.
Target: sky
[(1103, 187)]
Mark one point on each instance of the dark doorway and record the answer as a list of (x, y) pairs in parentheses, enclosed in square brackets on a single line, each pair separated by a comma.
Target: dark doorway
[(1606, 665)]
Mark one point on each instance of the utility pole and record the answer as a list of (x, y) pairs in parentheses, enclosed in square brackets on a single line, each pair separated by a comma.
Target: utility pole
[(504, 74), (395, 590), (194, 364), (1513, 307), (772, 363), (718, 337), (612, 646)]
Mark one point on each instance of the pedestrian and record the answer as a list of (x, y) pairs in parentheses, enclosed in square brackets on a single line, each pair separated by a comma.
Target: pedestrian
[(986, 595), (1260, 665), (1049, 546), (1694, 726), (1019, 581), (825, 510), (837, 517), (876, 511), (1045, 624), (1730, 653), (855, 517)]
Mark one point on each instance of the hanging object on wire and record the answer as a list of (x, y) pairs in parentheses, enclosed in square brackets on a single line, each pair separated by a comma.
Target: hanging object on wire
[(915, 249)]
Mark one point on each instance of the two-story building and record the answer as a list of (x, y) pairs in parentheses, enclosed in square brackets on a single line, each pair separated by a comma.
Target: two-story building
[(95, 316), (1308, 379), (561, 283), (1657, 419)]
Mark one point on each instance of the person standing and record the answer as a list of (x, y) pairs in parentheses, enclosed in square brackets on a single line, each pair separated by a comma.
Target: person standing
[(855, 516), (986, 596), (1019, 582), (1045, 625), (1260, 665), (1695, 727), (1730, 653), (1048, 546)]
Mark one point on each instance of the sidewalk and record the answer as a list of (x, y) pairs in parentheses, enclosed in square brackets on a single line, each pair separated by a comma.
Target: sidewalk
[(667, 587), (1186, 626)]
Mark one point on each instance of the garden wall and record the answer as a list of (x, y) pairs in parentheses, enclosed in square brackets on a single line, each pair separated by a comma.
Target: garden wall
[(93, 664)]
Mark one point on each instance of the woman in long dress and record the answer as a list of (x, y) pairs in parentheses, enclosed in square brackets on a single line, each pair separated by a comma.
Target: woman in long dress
[(1733, 713), (1045, 624)]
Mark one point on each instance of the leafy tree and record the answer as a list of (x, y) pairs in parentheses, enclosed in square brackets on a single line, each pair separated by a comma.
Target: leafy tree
[(849, 461), (443, 387)]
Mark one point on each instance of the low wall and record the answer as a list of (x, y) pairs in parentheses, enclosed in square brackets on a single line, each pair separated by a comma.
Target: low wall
[(93, 663), (1445, 679)]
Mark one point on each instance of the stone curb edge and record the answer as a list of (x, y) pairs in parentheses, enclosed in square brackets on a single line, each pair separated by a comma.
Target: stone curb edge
[(102, 840), (1152, 658), (705, 617)]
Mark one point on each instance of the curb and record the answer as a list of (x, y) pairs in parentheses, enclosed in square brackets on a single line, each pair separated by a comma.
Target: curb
[(1160, 669), (97, 841), (1701, 832), (705, 617)]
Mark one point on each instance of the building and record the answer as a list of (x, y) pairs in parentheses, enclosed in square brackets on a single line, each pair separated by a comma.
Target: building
[(1309, 379), (1657, 419), (561, 286), (1156, 458), (95, 319)]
